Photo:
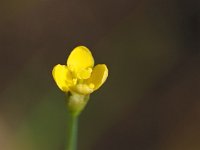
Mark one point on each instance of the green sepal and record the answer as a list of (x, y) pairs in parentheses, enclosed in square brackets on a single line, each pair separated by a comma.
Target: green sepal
[(76, 103)]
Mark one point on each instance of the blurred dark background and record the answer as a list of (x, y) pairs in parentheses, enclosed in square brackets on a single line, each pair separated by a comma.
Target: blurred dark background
[(151, 98)]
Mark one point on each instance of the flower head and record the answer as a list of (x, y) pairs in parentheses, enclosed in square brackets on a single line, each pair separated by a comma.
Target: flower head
[(79, 74)]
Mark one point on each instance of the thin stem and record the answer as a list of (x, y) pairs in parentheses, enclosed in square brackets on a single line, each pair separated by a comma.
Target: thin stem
[(72, 133)]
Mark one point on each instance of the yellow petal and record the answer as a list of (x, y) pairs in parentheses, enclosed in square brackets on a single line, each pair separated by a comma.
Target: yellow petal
[(62, 77), (98, 76), (80, 58), (84, 73)]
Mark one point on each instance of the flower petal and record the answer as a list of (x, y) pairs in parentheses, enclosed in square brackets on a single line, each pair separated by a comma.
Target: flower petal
[(62, 77), (84, 73), (80, 58), (98, 76)]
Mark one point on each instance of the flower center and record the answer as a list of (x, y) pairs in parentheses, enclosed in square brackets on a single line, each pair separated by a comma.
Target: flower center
[(79, 78)]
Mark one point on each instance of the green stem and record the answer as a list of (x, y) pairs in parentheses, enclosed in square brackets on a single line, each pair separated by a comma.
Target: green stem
[(72, 133)]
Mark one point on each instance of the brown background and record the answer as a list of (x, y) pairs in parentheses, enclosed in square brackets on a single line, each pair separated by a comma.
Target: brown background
[(151, 98)]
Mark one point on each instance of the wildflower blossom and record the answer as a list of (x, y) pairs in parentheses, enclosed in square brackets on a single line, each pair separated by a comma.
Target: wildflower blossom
[(79, 75)]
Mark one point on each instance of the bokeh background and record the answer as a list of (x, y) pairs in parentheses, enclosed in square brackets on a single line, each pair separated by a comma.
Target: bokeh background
[(151, 98)]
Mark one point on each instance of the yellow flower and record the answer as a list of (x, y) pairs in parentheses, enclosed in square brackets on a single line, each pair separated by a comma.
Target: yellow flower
[(79, 74)]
